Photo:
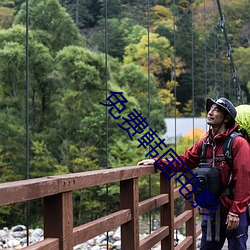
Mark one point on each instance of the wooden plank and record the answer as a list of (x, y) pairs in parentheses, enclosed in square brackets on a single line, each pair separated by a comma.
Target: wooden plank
[(46, 244), (191, 223), (185, 244), (152, 203), (154, 238), (24, 190), (167, 212), (98, 177), (129, 196), (58, 219), (90, 230), (182, 218), (177, 193), (198, 231)]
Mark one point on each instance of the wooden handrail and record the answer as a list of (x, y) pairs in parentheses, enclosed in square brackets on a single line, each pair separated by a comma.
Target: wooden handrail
[(58, 209)]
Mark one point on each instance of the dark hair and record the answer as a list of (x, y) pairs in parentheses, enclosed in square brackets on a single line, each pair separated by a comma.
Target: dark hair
[(231, 122)]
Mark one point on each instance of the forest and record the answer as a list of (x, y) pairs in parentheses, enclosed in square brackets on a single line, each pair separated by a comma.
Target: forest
[(165, 56)]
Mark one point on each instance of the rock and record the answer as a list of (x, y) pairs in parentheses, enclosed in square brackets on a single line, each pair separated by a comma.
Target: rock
[(23, 240), (95, 248), (18, 234), (13, 243), (80, 246), (117, 244), (38, 232), (103, 243), (18, 228), (111, 233), (100, 238), (16, 238), (3, 233), (117, 235), (111, 239), (91, 242)]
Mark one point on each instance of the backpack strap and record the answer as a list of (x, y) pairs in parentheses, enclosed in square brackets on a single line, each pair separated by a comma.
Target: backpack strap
[(227, 151), (227, 148), (203, 152)]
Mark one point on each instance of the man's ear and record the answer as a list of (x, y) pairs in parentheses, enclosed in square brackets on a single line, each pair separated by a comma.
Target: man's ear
[(228, 118)]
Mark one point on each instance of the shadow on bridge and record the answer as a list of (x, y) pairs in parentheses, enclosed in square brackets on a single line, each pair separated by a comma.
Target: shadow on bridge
[(59, 232)]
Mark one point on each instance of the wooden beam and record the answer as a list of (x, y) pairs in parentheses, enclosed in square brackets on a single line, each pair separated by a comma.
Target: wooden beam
[(152, 203), (182, 218), (129, 197), (191, 223), (46, 244), (58, 219), (90, 230), (167, 212), (185, 244), (177, 193), (19, 191), (154, 238), (198, 230), (98, 177), (24, 190)]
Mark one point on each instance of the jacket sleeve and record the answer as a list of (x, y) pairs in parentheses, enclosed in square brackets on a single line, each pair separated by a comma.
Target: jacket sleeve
[(241, 175), (191, 158)]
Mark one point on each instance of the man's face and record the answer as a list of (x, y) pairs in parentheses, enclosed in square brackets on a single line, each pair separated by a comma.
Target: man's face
[(215, 116)]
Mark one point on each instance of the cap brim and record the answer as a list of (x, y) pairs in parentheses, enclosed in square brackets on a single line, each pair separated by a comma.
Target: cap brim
[(209, 103)]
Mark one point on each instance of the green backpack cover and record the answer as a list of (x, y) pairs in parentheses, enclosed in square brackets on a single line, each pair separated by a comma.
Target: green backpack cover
[(243, 118)]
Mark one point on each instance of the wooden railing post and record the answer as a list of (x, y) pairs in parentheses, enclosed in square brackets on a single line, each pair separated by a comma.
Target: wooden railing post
[(129, 198), (167, 212), (58, 219), (191, 223)]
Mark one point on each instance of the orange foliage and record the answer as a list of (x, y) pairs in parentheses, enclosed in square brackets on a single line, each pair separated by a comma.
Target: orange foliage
[(196, 133)]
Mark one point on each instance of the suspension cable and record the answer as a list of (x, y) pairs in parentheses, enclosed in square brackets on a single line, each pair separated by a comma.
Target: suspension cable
[(175, 88), (149, 177), (205, 51), (215, 53), (229, 53), (174, 73), (106, 82), (192, 28), (27, 207)]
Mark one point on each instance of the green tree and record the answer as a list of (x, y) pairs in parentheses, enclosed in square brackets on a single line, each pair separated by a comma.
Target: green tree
[(84, 13), (6, 17), (53, 25), (135, 81), (241, 56)]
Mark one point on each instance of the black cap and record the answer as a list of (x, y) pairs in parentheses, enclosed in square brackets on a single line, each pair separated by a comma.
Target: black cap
[(223, 103)]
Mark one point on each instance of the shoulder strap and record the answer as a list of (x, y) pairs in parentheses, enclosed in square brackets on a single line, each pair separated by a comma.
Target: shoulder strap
[(227, 148), (203, 152)]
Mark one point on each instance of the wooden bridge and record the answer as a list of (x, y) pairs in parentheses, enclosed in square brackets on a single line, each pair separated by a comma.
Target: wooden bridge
[(56, 192)]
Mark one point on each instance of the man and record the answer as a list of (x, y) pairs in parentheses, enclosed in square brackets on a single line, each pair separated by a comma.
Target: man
[(221, 115)]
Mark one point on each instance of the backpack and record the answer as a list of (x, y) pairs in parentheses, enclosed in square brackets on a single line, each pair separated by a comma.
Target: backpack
[(243, 120), (210, 176)]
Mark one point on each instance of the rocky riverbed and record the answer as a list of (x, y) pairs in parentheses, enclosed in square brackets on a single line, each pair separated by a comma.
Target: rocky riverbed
[(16, 238)]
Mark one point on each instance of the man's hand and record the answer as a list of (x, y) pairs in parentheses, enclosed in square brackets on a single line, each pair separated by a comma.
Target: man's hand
[(146, 162), (232, 222)]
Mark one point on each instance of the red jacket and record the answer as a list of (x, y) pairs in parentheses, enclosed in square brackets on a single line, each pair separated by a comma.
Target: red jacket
[(241, 167)]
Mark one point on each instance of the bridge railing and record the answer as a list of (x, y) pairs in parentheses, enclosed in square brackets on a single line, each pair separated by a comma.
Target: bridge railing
[(56, 192)]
